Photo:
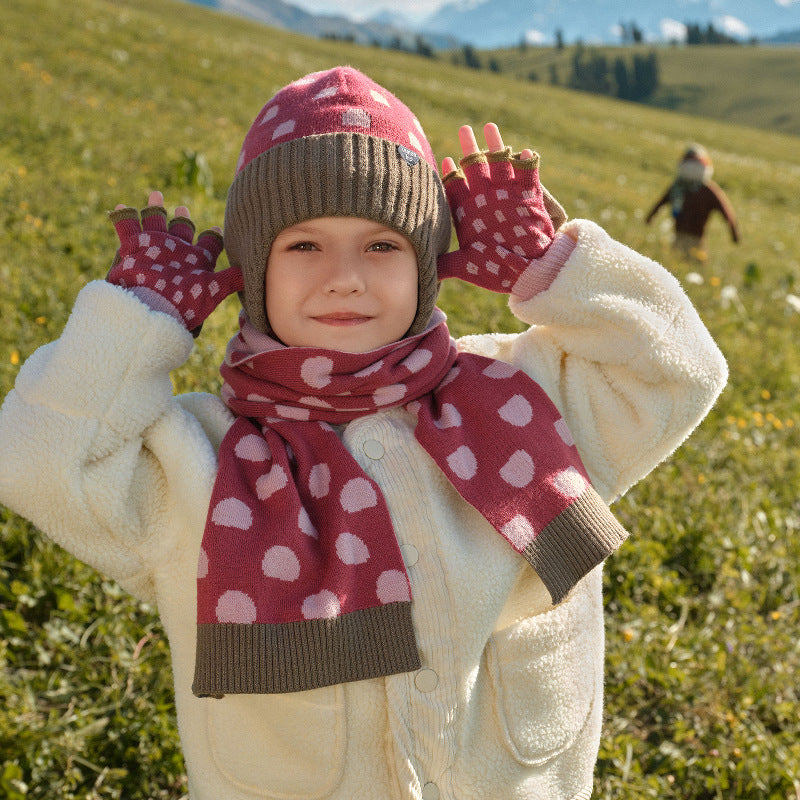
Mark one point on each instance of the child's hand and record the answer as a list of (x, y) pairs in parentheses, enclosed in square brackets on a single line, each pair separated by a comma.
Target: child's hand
[(160, 259), (499, 212)]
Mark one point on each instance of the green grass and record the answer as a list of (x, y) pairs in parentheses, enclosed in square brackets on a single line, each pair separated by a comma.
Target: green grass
[(747, 85), (100, 102)]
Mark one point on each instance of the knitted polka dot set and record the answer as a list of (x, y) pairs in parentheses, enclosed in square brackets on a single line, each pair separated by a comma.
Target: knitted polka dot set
[(301, 582)]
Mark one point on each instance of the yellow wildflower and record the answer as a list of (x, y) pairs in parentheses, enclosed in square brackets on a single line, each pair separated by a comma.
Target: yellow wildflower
[(14, 357)]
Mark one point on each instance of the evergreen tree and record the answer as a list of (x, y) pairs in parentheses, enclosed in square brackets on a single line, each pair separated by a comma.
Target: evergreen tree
[(645, 76), (590, 72), (695, 34), (622, 80), (423, 48), (471, 58)]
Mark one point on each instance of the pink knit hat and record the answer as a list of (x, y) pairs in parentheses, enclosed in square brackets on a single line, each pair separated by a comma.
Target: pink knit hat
[(335, 143)]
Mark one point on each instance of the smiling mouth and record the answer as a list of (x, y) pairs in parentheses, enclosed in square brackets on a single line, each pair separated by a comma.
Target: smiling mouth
[(342, 319)]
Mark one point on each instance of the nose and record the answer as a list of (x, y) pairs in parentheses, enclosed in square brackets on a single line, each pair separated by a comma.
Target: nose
[(343, 276)]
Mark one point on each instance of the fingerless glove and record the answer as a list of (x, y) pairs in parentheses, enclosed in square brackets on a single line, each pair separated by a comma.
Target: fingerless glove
[(160, 263)]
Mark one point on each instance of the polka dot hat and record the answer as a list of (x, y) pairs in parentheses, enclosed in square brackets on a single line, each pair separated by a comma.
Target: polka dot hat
[(335, 143)]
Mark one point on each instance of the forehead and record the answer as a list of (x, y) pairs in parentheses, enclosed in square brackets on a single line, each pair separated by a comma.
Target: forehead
[(338, 226)]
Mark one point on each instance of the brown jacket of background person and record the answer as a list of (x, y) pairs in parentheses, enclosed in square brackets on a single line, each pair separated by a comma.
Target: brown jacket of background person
[(693, 196)]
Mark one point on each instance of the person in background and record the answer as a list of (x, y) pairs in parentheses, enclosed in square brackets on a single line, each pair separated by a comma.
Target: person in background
[(693, 196)]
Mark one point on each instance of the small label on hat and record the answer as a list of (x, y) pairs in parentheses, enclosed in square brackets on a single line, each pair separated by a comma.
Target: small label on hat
[(409, 156)]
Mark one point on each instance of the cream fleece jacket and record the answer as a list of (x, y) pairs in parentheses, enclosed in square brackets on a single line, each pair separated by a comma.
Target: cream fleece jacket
[(99, 454)]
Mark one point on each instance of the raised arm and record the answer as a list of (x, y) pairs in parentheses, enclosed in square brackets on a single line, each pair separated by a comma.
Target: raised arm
[(95, 449), (613, 339)]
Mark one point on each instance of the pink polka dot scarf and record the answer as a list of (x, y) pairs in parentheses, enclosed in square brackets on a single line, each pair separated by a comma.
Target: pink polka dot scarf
[(301, 582)]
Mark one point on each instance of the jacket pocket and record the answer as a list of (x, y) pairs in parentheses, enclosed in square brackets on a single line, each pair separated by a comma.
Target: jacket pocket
[(546, 675), (280, 745)]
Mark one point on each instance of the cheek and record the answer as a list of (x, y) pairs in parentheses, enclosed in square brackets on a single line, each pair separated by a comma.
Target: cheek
[(279, 294), (408, 288)]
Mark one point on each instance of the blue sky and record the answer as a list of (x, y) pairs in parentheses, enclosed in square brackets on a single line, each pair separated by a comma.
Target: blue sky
[(368, 8)]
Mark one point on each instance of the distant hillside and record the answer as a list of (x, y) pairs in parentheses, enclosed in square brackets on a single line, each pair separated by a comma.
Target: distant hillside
[(747, 85)]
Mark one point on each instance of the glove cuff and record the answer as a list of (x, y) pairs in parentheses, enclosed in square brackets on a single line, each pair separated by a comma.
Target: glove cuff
[(541, 272)]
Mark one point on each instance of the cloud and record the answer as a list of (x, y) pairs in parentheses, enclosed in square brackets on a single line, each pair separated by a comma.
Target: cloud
[(733, 26), (535, 37), (672, 30)]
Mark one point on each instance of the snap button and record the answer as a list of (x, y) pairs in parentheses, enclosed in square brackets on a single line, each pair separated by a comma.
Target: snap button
[(426, 680), (410, 554), (373, 449), (430, 791)]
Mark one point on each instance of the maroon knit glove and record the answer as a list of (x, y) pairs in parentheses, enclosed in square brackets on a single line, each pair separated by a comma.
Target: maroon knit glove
[(500, 218), (161, 259)]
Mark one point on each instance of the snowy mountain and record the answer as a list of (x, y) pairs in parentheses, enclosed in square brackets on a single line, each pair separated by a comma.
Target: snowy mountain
[(280, 14), (503, 23), (497, 23)]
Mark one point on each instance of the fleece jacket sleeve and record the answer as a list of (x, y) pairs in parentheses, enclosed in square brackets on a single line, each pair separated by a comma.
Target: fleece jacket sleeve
[(74, 433), (619, 348)]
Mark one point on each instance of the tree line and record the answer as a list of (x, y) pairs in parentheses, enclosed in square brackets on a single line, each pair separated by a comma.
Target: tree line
[(634, 77)]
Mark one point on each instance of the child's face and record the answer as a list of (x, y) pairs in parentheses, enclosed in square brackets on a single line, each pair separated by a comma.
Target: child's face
[(342, 283)]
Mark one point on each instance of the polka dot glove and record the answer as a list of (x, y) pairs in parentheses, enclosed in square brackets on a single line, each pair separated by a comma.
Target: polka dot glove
[(500, 218), (162, 266)]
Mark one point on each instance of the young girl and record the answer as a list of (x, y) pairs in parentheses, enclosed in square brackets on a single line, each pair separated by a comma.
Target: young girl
[(377, 556)]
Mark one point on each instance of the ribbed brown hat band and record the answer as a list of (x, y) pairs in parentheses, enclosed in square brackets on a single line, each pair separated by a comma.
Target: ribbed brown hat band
[(335, 174)]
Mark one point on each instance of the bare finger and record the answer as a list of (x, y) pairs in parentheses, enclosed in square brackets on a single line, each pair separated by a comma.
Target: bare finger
[(155, 199), (494, 141), (466, 138)]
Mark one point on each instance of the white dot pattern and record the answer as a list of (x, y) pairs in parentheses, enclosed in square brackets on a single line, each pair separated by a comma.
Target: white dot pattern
[(497, 202), (341, 99), (296, 497)]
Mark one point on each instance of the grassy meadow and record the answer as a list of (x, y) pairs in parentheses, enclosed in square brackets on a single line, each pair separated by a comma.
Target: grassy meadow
[(103, 101)]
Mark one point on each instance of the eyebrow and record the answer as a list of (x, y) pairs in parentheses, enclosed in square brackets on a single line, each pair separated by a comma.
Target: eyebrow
[(307, 228)]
